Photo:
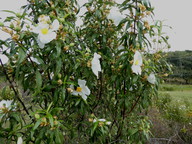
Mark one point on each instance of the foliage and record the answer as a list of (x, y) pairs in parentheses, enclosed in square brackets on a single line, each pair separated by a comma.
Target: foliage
[(60, 99), (182, 66), (177, 116)]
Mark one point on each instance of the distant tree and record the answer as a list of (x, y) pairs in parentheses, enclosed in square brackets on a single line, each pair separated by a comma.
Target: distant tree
[(182, 64)]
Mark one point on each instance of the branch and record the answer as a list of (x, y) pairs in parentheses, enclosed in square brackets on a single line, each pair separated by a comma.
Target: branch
[(135, 16), (134, 105), (13, 88)]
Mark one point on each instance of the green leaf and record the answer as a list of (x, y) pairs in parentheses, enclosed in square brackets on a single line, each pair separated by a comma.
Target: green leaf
[(38, 80), (58, 66), (4, 91), (135, 78), (16, 117), (49, 107), (94, 128), (50, 117), (132, 131), (58, 48), (9, 11), (37, 124), (58, 136), (22, 55)]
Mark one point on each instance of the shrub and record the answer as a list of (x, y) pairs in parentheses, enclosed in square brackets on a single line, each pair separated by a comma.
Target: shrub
[(177, 117), (82, 84)]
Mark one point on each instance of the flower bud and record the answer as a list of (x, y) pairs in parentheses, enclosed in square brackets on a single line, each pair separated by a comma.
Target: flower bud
[(15, 37), (11, 25), (28, 26), (101, 124), (66, 48), (121, 66), (87, 54), (44, 119), (166, 74), (59, 82), (148, 13), (92, 115), (37, 116), (60, 26), (18, 15), (59, 75), (71, 44), (70, 90), (89, 64), (56, 122), (18, 28), (167, 37), (142, 7), (146, 25), (1, 24), (90, 119)]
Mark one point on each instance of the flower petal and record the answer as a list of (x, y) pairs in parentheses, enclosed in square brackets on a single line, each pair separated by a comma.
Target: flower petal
[(43, 18), (136, 69), (4, 58), (7, 103), (84, 96), (41, 45), (75, 93), (95, 64), (55, 25), (20, 140), (81, 82), (102, 120), (108, 123), (47, 38), (35, 60), (138, 58), (39, 28), (85, 90), (115, 15), (151, 78)]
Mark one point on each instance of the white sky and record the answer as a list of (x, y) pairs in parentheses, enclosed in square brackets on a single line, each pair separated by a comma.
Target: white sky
[(176, 14)]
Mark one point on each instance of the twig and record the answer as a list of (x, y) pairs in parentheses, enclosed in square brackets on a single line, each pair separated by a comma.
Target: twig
[(13, 88)]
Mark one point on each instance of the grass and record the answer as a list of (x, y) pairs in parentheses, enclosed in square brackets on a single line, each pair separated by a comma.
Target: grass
[(169, 116), (174, 87), (178, 93)]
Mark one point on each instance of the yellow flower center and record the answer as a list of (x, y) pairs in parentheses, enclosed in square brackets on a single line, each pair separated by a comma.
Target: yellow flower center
[(136, 62), (44, 31), (79, 89)]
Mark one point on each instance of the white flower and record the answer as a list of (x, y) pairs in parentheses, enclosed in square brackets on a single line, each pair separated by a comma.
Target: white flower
[(4, 58), (46, 32), (5, 104), (94, 120), (82, 90), (43, 19), (95, 64), (99, 120), (151, 78), (137, 63), (108, 123), (115, 15), (102, 120), (20, 140), (35, 60)]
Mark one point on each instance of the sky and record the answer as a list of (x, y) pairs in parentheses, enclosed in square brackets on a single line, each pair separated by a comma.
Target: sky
[(173, 12)]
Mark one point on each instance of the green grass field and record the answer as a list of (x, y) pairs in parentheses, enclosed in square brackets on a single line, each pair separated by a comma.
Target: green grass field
[(178, 93)]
